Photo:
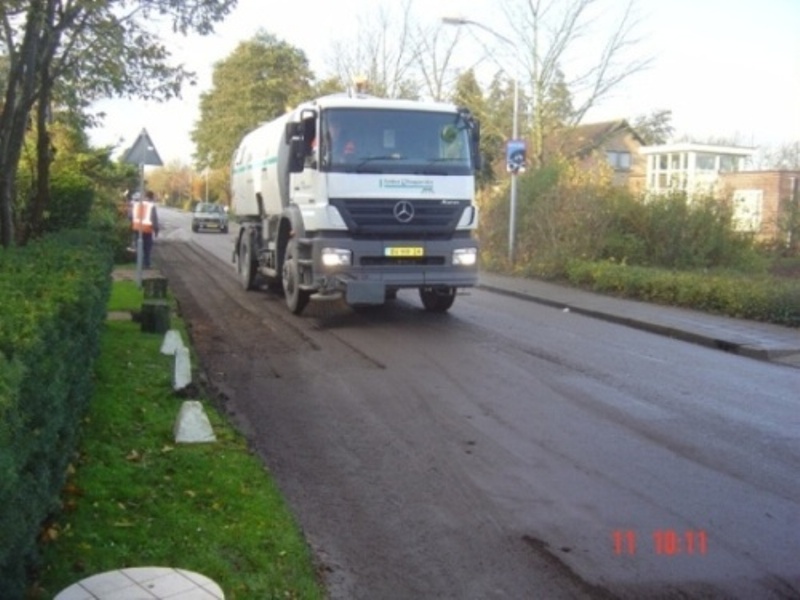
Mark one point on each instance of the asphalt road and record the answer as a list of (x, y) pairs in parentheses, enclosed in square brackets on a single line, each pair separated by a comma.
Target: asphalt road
[(505, 449)]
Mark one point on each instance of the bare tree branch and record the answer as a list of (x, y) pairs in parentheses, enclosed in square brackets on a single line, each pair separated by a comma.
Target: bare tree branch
[(385, 51), (549, 34)]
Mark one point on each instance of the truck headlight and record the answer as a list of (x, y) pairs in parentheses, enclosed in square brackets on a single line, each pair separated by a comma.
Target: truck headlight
[(465, 257), (336, 257)]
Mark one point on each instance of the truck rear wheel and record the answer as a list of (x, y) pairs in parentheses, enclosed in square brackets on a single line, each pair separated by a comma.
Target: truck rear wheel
[(245, 263), (296, 298), (437, 299)]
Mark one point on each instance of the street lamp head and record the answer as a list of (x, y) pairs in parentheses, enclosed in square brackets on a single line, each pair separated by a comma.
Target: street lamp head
[(453, 20)]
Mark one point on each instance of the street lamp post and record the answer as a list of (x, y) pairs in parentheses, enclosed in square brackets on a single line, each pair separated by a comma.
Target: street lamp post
[(512, 209)]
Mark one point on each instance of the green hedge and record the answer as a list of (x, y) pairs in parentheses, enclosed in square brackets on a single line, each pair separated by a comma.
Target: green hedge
[(72, 199), (746, 297), (53, 293)]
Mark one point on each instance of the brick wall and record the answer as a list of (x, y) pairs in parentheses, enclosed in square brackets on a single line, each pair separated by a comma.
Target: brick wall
[(776, 192)]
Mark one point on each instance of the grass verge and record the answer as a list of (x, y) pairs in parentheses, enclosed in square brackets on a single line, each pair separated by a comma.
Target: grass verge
[(135, 498)]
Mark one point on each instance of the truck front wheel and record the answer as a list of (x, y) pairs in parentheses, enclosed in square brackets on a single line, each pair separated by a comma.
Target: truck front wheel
[(437, 299), (296, 298), (245, 263)]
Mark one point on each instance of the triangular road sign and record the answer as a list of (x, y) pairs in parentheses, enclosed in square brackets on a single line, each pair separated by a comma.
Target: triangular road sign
[(143, 152)]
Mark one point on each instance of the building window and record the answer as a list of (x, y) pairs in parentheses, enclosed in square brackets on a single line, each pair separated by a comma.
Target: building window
[(705, 162), (728, 163), (620, 161)]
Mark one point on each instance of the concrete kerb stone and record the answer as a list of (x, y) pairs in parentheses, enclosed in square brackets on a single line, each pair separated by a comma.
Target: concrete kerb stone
[(173, 345), (192, 425), (172, 341), (789, 357), (182, 373)]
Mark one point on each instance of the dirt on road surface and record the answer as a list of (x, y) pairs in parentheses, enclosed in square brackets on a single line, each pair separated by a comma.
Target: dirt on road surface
[(385, 515), (427, 456)]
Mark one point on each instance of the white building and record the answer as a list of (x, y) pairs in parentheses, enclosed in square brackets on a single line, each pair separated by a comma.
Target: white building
[(690, 167)]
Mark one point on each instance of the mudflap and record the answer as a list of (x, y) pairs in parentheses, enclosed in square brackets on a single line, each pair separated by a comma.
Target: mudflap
[(365, 292)]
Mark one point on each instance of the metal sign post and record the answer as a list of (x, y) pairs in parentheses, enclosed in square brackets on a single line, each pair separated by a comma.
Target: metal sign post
[(139, 240), (143, 152), (516, 157)]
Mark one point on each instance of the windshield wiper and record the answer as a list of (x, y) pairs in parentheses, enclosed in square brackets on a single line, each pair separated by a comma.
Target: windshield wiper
[(369, 159)]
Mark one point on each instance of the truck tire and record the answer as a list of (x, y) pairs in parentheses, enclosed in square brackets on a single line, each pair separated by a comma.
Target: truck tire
[(296, 299), (245, 264), (437, 299)]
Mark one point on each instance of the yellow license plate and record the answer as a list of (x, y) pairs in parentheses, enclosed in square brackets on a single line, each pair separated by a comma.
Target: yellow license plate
[(405, 251)]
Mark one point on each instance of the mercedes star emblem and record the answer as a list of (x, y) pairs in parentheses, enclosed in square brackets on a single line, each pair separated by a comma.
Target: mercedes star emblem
[(404, 211)]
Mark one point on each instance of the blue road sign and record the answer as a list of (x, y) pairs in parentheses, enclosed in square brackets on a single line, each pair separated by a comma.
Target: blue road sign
[(516, 152)]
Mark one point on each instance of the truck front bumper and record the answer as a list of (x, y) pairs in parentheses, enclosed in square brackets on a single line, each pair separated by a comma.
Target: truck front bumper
[(377, 266)]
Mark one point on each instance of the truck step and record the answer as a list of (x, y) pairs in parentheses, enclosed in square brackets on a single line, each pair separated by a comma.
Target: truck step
[(329, 297)]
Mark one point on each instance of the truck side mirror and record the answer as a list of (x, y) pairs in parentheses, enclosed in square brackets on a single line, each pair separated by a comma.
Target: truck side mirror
[(297, 155)]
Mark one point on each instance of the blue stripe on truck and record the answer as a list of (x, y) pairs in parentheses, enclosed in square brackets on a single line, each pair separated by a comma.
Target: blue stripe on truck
[(254, 165)]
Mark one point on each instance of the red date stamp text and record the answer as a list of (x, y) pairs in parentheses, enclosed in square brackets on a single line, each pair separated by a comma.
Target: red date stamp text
[(663, 542)]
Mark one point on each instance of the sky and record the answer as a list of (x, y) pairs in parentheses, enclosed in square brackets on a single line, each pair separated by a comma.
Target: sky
[(725, 68)]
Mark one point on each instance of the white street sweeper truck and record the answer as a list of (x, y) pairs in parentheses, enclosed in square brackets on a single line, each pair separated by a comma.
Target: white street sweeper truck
[(357, 197)]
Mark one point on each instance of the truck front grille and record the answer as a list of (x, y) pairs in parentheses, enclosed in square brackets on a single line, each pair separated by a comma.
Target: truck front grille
[(400, 218)]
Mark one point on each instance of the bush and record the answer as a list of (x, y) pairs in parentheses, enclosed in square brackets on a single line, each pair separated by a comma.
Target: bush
[(71, 197), (566, 212), (110, 218), (757, 298), (672, 232), (561, 214), (53, 292)]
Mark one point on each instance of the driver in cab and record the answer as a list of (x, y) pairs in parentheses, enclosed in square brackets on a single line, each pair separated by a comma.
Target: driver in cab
[(341, 146)]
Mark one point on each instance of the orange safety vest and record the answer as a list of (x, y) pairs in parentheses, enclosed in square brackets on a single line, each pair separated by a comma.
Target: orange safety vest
[(143, 216)]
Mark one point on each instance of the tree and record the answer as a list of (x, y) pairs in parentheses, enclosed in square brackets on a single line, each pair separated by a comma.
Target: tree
[(73, 52), (498, 125), (655, 128), (258, 82), (468, 93), (172, 183), (384, 52), (435, 50), (556, 112), (783, 157), (331, 85), (549, 33), (399, 57)]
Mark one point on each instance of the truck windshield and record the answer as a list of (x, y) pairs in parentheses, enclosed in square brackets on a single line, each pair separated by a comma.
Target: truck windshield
[(395, 141)]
